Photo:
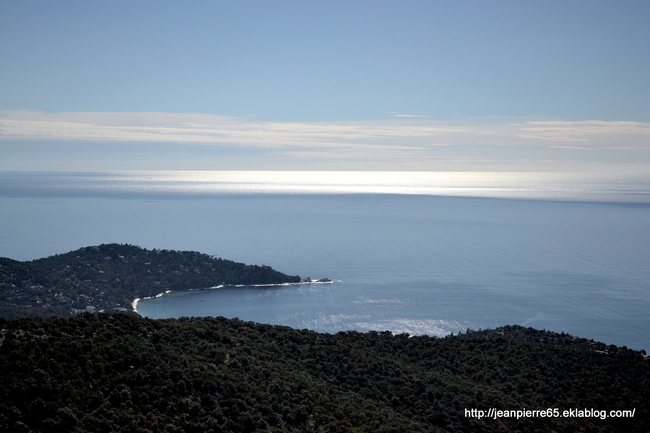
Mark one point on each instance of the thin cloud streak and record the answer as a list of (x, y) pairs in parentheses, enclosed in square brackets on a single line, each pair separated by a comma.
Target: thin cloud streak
[(390, 144), (409, 115), (389, 134), (167, 128)]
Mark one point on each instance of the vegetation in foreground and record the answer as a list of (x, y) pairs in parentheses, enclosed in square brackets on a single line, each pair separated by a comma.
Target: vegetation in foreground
[(84, 372), (123, 373), (107, 278)]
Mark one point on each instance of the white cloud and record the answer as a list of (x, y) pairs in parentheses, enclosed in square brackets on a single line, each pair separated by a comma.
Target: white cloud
[(195, 129), (394, 143), (390, 134), (592, 131), (409, 115)]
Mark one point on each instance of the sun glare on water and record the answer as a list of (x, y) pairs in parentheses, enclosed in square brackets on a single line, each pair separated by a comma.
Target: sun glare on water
[(525, 185)]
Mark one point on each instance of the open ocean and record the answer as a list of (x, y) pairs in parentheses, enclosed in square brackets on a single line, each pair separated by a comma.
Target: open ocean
[(422, 253)]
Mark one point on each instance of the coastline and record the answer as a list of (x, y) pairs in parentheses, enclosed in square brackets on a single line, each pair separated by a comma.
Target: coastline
[(134, 303)]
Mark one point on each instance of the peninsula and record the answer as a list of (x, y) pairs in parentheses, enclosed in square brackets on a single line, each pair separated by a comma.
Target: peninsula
[(108, 278)]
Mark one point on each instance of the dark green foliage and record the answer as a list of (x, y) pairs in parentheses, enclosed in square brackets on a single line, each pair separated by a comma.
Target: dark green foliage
[(109, 277), (521, 334), (102, 373)]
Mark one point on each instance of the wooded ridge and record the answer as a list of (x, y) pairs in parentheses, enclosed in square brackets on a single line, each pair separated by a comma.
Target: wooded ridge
[(107, 278), (123, 373)]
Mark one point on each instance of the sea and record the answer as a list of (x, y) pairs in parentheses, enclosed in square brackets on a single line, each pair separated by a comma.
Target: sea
[(417, 253)]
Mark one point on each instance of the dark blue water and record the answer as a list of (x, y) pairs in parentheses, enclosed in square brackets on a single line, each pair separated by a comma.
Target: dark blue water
[(420, 264)]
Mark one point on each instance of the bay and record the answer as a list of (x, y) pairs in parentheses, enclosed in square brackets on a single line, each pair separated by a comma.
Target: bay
[(405, 261)]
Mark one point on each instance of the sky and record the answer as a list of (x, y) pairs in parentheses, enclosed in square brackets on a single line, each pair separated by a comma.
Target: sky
[(325, 85)]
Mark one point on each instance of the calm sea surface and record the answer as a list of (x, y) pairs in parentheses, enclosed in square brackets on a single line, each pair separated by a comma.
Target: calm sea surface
[(423, 253)]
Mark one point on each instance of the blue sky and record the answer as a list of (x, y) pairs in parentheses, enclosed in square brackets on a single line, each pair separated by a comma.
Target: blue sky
[(351, 85)]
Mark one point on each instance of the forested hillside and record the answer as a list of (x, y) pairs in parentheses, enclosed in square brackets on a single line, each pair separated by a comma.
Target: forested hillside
[(109, 277), (122, 373), (99, 372)]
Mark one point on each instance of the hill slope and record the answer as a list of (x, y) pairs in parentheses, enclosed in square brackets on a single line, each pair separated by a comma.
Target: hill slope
[(109, 277), (122, 373)]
